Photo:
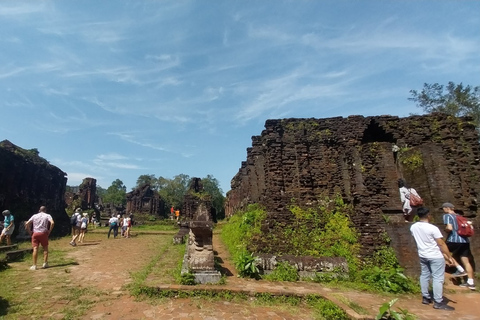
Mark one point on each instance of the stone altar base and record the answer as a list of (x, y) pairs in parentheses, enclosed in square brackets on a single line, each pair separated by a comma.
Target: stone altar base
[(199, 257)]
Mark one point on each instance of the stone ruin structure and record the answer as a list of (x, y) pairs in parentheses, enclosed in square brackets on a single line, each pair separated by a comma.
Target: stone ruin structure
[(199, 256), (145, 200), (84, 196), (28, 181), (361, 159)]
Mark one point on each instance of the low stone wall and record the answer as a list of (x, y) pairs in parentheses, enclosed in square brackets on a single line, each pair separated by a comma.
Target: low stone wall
[(305, 265)]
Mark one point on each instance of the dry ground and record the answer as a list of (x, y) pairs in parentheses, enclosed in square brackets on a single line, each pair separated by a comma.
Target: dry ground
[(90, 282)]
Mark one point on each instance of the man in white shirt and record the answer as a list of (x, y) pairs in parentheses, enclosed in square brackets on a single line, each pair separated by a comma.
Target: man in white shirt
[(40, 226), (432, 251)]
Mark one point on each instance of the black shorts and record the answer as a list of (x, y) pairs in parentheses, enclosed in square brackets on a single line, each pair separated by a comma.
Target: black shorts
[(459, 249)]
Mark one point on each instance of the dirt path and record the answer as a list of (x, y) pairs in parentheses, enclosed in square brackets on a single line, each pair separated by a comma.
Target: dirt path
[(106, 265)]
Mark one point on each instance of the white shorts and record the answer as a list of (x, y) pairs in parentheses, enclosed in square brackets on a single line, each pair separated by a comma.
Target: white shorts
[(8, 232)]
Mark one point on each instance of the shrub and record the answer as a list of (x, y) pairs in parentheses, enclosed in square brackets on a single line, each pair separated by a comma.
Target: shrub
[(392, 280), (283, 272), (245, 263)]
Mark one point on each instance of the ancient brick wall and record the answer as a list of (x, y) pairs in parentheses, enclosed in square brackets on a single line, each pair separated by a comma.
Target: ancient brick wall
[(145, 200), (304, 159), (27, 182)]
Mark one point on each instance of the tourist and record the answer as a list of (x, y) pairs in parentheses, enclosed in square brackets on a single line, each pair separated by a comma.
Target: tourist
[(405, 191), (94, 220), (459, 246), (172, 213), (83, 227), (432, 252), (129, 223), (42, 224), (76, 222), (8, 227), (123, 225), (113, 223), (177, 214)]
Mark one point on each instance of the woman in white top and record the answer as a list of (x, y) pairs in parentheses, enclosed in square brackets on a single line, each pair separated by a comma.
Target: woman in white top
[(405, 191)]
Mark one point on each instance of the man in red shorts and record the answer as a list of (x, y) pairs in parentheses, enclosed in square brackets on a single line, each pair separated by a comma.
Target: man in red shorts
[(42, 226)]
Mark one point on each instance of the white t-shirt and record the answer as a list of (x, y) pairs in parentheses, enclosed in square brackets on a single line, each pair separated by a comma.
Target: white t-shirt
[(425, 235)]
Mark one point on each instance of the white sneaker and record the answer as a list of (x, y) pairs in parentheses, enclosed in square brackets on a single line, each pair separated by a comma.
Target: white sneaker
[(45, 265), (33, 268)]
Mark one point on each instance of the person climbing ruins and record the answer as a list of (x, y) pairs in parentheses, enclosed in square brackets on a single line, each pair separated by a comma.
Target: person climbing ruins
[(459, 246), (42, 224), (8, 227), (432, 252), (409, 210), (75, 221)]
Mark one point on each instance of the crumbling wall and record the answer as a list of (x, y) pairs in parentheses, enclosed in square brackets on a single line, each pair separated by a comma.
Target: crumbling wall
[(145, 200), (304, 159), (28, 182)]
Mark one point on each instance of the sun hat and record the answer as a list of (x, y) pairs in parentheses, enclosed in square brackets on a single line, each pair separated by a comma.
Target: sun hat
[(447, 205)]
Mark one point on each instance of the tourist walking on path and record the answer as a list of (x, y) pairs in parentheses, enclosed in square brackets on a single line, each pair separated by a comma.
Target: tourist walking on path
[(42, 224), (177, 214), (129, 222), (405, 191), (8, 227), (113, 223), (83, 227), (123, 226), (459, 246), (76, 222), (432, 252)]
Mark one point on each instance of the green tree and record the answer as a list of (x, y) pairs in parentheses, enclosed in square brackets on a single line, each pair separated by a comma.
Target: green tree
[(211, 186), (116, 193), (147, 179), (454, 99), (173, 190)]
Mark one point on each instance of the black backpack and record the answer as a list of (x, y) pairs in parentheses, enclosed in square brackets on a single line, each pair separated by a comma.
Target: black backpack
[(73, 220)]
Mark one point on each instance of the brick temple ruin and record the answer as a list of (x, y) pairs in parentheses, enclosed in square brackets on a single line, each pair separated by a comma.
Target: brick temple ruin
[(145, 200), (361, 158), (28, 182)]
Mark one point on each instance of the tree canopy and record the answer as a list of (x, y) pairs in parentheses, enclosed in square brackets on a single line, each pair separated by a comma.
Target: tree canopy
[(172, 191), (454, 99), (116, 193)]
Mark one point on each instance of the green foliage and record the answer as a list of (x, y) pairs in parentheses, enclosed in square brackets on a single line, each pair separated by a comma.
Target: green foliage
[(172, 191), (241, 228), (325, 308), (388, 280), (453, 99), (323, 231), (246, 265), (412, 160), (188, 279), (147, 179), (385, 312), (385, 258), (212, 187), (283, 272), (116, 193)]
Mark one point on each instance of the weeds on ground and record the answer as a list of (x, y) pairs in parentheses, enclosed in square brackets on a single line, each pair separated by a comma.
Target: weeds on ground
[(283, 272), (386, 312)]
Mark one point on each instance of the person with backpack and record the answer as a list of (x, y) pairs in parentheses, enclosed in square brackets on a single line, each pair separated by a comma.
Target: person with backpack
[(410, 200), (75, 222), (459, 245)]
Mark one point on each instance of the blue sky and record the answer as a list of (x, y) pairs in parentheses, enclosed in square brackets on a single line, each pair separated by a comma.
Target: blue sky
[(117, 89)]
